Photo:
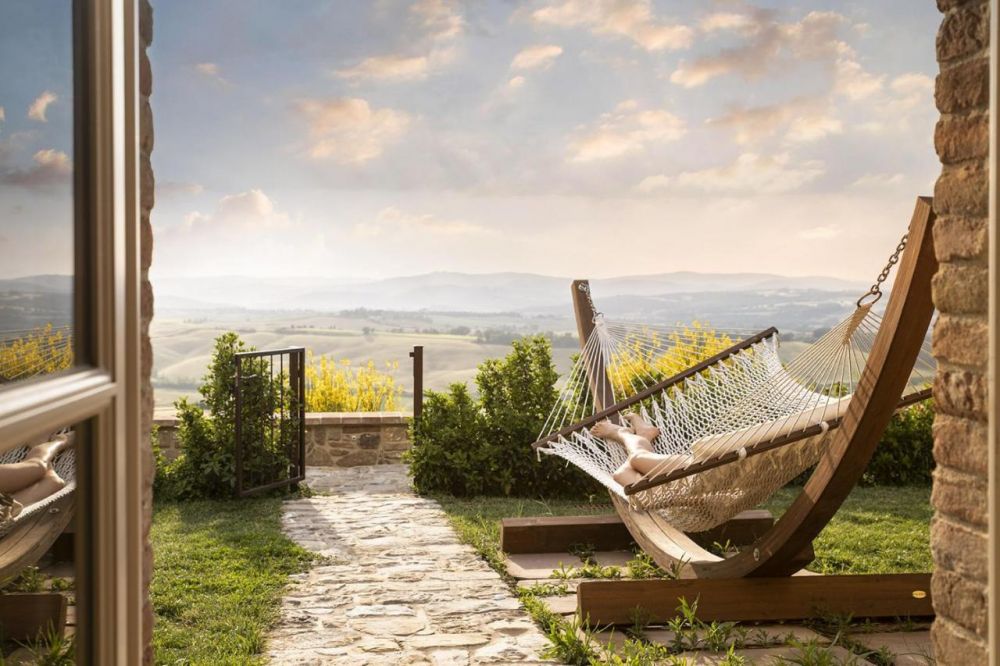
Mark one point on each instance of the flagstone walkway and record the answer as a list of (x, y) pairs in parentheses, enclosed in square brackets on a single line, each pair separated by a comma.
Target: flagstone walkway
[(398, 586)]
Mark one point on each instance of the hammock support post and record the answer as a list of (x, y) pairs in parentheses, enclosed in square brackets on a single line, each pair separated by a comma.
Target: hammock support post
[(586, 322)]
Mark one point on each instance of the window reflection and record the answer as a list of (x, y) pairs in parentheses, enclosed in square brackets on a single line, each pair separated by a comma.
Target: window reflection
[(36, 193)]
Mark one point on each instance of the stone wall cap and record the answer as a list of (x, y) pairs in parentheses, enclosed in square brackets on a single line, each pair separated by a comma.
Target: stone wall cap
[(166, 420)]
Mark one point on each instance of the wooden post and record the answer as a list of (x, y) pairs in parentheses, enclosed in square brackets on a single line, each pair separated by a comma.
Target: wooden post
[(418, 381), (583, 309)]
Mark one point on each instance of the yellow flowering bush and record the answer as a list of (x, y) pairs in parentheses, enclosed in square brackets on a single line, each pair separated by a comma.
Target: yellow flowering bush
[(650, 356), (42, 351), (337, 386)]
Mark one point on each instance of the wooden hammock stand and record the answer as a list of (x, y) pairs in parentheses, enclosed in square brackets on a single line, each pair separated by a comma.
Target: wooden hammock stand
[(764, 581)]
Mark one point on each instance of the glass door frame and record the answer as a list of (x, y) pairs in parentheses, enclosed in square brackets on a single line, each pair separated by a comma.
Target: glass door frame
[(101, 394)]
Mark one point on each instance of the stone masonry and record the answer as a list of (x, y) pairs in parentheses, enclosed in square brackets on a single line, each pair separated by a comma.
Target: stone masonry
[(398, 587), (333, 439), (146, 197), (960, 338)]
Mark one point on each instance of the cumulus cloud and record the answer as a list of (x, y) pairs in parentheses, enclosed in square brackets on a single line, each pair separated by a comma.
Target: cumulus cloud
[(768, 44), (852, 81), (534, 57), (632, 19), (438, 24), (799, 120), (750, 173), (391, 221), (40, 106), (348, 130), (249, 211), (51, 167), (627, 129), (906, 101), (824, 232)]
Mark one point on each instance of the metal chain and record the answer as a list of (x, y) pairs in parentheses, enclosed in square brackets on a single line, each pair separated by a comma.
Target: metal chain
[(875, 290), (585, 288)]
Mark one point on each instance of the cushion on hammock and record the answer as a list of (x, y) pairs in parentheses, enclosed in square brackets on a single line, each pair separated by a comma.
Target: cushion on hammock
[(713, 446)]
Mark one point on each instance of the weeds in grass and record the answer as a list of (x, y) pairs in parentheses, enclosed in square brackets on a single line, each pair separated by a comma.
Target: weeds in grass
[(691, 633), (811, 653), (585, 551), (52, 648), (592, 571), (642, 567), (547, 589), (29, 580)]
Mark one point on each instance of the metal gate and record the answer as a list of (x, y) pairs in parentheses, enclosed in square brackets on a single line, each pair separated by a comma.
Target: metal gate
[(270, 419)]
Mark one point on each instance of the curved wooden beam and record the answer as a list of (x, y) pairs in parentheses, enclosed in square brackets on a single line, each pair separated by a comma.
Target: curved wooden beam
[(885, 375)]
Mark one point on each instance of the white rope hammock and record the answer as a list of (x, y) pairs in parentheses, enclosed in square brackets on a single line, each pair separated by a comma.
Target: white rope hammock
[(768, 421)]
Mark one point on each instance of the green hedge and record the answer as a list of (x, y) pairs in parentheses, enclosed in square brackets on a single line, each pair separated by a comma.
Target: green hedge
[(465, 445)]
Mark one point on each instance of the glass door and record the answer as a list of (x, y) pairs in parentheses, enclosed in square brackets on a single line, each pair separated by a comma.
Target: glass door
[(70, 475)]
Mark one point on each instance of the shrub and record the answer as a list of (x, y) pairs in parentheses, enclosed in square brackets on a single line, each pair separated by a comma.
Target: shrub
[(337, 387), (206, 465), (482, 446), (905, 454)]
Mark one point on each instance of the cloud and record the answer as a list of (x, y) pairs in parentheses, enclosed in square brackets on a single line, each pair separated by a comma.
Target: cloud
[(908, 99), (725, 21), (51, 167), (41, 105), (750, 173), (534, 57), (799, 120), (632, 19), (211, 71), (3, 114), (391, 221), (348, 130), (852, 81), (768, 44), (625, 130), (878, 180), (174, 188), (825, 232), (250, 211), (515, 82), (438, 25), (396, 67)]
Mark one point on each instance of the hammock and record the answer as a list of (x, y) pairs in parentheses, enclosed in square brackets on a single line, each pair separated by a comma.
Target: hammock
[(735, 422), (64, 465)]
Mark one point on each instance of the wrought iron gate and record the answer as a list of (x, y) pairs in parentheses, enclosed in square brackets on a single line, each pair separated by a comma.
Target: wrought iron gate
[(270, 419)]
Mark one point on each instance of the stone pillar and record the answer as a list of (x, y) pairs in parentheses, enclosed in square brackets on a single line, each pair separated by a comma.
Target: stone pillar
[(960, 338), (146, 206)]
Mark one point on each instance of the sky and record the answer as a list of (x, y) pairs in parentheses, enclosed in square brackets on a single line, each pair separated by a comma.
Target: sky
[(363, 139)]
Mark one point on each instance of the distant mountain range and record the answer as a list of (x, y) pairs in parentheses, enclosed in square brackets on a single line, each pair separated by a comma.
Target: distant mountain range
[(463, 292), (724, 299)]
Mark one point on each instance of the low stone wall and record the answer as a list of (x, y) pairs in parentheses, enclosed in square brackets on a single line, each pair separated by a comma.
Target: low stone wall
[(333, 439)]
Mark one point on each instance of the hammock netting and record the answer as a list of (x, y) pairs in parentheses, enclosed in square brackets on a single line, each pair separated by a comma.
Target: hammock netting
[(729, 408)]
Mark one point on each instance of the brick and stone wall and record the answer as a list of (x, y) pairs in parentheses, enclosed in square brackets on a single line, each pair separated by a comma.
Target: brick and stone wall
[(959, 528), (146, 241), (333, 439)]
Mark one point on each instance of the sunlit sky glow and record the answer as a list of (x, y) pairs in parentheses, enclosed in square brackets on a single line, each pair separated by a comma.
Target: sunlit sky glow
[(600, 137)]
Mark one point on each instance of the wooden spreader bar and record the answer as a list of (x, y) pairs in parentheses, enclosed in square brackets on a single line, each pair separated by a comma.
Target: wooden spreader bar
[(602, 603), (756, 449), (656, 388)]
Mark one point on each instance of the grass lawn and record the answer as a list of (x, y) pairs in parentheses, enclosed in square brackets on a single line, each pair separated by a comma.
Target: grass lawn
[(219, 570), (877, 530)]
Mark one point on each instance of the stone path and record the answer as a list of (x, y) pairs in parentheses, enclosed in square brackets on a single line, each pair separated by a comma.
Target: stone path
[(399, 587)]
